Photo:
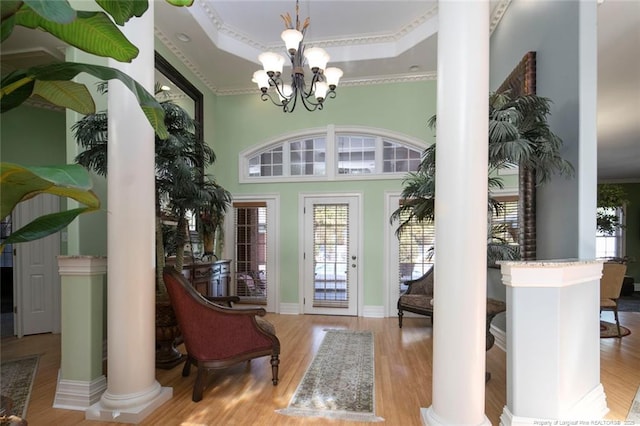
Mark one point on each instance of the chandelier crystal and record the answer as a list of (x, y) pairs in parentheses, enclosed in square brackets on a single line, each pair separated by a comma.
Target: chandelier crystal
[(323, 80)]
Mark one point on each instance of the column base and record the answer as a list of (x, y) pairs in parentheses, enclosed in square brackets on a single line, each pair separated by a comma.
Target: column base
[(130, 412), (77, 394), (430, 418), (592, 407)]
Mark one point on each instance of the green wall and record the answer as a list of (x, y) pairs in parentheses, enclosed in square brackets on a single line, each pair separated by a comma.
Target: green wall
[(245, 121)]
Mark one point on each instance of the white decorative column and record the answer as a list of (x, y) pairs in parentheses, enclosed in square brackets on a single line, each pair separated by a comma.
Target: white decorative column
[(81, 380), (461, 215), (553, 342), (132, 391)]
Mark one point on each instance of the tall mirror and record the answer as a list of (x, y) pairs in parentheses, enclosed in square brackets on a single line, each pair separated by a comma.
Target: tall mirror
[(180, 90), (177, 89)]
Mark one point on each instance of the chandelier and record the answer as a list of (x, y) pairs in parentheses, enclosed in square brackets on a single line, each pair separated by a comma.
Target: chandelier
[(323, 80)]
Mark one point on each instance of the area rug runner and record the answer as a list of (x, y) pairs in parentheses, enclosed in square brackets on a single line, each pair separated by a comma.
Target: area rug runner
[(608, 329), (634, 412), (339, 383), (16, 382)]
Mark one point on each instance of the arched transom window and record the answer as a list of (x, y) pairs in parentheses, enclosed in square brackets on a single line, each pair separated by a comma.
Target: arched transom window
[(332, 153)]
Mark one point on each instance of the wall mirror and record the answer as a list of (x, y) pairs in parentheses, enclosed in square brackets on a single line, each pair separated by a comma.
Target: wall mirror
[(181, 91)]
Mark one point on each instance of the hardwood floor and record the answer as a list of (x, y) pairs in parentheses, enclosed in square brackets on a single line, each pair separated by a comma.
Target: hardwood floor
[(244, 395)]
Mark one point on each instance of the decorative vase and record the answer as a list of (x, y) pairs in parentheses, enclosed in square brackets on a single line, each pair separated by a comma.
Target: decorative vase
[(167, 333)]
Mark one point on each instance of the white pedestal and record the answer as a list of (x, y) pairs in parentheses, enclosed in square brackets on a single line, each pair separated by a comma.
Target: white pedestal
[(553, 341)]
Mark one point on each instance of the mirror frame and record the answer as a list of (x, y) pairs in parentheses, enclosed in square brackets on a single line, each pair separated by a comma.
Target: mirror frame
[(522, 81), (169, 71)]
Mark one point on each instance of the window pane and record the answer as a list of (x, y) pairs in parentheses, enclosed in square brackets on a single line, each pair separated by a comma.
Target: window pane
[(330, 248), (415, 248), (356, 155), (307, 158), (251, 251), (398, 158)]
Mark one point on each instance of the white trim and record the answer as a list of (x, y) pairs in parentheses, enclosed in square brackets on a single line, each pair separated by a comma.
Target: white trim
[(289, 308), (500, 336), (302, 196), (331, 171), (550, 274), (373, 311), (273, 243), (82, 265), (589, 410), (390, 268), (78, 394)]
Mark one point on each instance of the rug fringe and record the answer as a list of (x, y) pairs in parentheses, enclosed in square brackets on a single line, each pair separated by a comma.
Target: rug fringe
[(336, 415)]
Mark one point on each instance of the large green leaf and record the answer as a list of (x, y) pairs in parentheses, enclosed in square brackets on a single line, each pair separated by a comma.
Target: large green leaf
[(68, 94), (121, 11), (18, 183), (67, 71), (93, 32), (9, 8), (16, 88), (180, 2), (58, 11), (44, 226), (7, 26)]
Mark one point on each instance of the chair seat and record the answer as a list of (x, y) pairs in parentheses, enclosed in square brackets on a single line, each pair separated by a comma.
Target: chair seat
[(418, 301), (607, 303)]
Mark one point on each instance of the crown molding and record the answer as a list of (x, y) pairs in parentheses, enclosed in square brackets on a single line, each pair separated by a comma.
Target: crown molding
[(365, 81), (185, 61), (497, 14)]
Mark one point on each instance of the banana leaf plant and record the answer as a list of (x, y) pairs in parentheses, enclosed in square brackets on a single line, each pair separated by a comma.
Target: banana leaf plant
[(94, 32)]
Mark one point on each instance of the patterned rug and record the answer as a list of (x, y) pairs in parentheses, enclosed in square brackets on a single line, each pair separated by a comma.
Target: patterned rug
[(634, 412), (16, 381), (339, 383), (608, 329)]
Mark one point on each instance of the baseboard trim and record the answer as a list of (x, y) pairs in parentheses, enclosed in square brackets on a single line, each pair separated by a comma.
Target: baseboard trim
[(591, 409), (373, 311), (77, 394), (289, 309), (501, 337)]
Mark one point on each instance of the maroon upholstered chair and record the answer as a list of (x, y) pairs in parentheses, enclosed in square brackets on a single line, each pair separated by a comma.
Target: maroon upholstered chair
[(216, 336)]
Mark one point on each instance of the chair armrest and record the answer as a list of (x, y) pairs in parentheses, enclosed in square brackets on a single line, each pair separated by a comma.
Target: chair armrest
[(223, 300), (234, 310)]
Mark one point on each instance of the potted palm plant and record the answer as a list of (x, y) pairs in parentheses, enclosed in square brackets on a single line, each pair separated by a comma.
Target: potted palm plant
[(519, 135), (182, 187)]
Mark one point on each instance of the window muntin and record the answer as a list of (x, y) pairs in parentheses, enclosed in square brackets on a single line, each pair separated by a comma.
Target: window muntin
[(611, 245), (398, 158), (344, 154)]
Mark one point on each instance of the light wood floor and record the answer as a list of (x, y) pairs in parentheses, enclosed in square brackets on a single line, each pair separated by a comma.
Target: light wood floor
[(244, 395)]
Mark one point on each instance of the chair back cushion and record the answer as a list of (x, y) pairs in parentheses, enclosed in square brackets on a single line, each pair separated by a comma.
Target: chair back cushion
[(210, 331), (611, 281)]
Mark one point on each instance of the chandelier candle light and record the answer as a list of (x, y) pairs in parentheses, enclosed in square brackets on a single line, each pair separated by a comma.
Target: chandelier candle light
[(324, 80)]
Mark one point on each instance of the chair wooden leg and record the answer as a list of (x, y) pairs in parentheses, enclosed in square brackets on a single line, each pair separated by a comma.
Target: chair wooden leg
[(198, 386), (400, 314), (615, 313), (275, 362), (186, 370)]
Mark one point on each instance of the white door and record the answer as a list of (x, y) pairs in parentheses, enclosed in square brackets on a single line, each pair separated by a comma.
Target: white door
[(36, 278), (331, 249)]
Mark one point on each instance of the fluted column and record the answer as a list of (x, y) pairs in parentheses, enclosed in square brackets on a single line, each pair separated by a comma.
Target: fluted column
[(132, 390), (461, 215)]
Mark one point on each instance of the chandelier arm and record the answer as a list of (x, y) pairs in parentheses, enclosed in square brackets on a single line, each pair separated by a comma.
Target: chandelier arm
[(266, 96)]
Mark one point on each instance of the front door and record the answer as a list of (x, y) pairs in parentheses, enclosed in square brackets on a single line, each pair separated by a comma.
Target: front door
[(331, 229), (36, 278)]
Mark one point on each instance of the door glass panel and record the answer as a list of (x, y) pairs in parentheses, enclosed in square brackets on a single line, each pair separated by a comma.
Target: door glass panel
[(251, 251), (330, 255)]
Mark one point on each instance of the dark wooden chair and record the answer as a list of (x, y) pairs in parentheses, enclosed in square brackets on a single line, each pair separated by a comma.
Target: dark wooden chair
[(418, 298), (216, 336)]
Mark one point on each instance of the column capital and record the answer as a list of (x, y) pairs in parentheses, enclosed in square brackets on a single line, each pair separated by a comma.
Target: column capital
[(82, 265)]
